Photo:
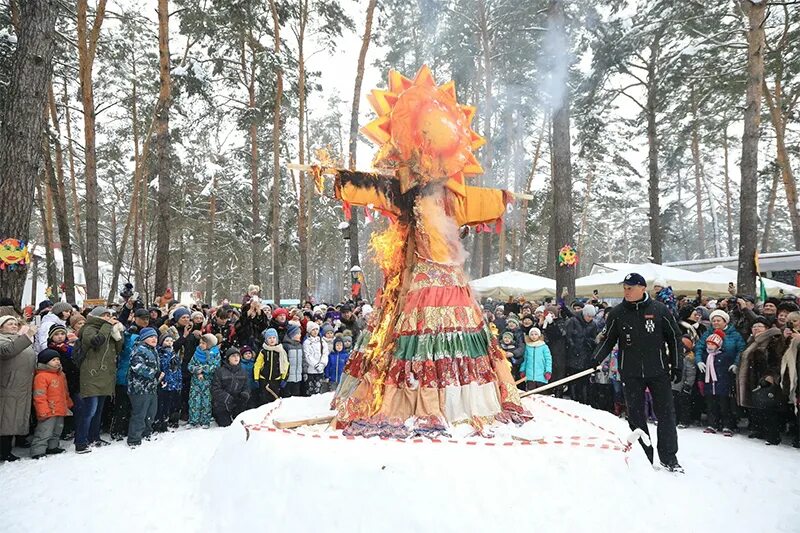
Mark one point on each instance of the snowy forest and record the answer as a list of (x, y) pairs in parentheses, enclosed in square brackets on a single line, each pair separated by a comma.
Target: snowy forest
[(643, 129)]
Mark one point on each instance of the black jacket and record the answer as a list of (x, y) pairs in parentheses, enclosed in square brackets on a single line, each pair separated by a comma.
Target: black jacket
[(580, 341), (229, 387), (648, 339)]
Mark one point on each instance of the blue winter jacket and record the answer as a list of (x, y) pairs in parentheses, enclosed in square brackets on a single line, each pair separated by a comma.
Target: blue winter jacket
[(335, 367), (536, 362), (248, 366), (170, 362), (732, 347), (124, 360), (144, 370)]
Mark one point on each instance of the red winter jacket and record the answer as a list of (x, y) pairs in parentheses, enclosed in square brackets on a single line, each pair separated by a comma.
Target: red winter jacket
[(50, 394)]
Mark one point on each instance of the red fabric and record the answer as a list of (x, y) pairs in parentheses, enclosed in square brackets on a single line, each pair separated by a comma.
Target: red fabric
[(50, 394), (438, 297), (441, 373), (498, 226), (348, 214), (368, 214)]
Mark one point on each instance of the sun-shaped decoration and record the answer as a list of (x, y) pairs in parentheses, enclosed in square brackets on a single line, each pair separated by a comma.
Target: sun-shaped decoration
[(423, 132)]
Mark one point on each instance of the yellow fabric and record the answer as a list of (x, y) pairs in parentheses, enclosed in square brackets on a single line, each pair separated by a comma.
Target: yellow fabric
[(478, 205), (363, 196)]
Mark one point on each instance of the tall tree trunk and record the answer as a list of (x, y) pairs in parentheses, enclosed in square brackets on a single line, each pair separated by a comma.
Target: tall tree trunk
[(256, 237), (138, 231), (302, 218), (775, 105), (652, 144), (682, 218), (698, 178), (76, 212), (523, 223), (47, 233), (563, 231), (22, 128), (54, 203), (362, 56), (163, 150), (208, 297), (748, 195), (773, 195), (56, 183), (276, 159), (87, 48), (728, 210), (585, 209), (486, 49)]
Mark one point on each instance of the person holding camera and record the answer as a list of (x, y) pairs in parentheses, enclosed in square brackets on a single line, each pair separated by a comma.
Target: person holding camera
[(649, 357)]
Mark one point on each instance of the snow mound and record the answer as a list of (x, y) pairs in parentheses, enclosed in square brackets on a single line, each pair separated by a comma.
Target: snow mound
[(558, 467)]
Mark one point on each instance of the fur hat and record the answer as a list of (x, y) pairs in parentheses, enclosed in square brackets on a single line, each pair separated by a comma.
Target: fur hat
[(56, 328), (716, 338), (60, 307), (209, 339), (722, 314), (45, 356)]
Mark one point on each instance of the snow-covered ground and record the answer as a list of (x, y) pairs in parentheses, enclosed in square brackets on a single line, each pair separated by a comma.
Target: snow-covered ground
[(218, 480)]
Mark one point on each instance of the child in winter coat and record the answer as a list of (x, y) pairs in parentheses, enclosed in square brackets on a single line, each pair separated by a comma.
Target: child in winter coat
[(202, 366), (718, 366), (336, 361), (328, 333), (682, 391), (143, 378), (58, 340), (248, 363), (169, 393), (537, 363), (514, 352), (348, 343), (272, 365), (315, 355), (230, 389), (294, 352), (51, 401)]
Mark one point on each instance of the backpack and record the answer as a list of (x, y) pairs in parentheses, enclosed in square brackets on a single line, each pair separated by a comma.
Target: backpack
[(78, 355)]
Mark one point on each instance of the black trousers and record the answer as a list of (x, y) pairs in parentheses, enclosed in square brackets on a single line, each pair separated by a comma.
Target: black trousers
[(767, 422), (121, 414), (661, 391), (579, 389), (718, 410), (683, 407)]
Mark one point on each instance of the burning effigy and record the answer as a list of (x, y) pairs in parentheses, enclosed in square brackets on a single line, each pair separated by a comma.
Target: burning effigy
[(427, 358)]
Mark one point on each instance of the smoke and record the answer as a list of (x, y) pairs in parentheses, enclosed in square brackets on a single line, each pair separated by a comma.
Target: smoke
[(443, 237), (554, 64)]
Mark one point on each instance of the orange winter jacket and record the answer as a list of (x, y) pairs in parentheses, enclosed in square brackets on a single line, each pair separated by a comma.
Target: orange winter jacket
[(50, 393)]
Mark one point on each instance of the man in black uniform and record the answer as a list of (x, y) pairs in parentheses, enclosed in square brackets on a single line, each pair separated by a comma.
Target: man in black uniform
[(649, 357)]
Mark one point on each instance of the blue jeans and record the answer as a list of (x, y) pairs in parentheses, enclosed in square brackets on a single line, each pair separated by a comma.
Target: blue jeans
[(87, 428)]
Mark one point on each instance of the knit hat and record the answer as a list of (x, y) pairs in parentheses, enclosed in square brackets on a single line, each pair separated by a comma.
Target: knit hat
[(509, 334), (702, 311), (589, 311), (44, 304), (766, 321), (232, 351), (164, 336), (716, 338), (6, 318), (338, 340), (60, 307), (312, 326), (534, 332), (347, 338), (512, 320), (45, 356), (280, 311), (366, 309), (209, 339), (146, 333), (141, 313), (539, 309), (179, 312), (245, 349), (56, 328), (76, 319), (720, 313), (198, 314), (327, 328), (100, 311), (659, 282), (271, 332), (292, 330)]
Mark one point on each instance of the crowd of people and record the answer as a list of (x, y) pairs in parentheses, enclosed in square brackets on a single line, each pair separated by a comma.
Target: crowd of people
[(131, 371), (739, 364)]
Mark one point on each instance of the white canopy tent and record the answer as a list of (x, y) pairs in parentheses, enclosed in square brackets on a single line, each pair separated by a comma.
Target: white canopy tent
[(609, 284), (774, 288), (513, 283)]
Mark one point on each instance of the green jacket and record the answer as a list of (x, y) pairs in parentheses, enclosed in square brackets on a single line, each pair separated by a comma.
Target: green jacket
[(99, 367)]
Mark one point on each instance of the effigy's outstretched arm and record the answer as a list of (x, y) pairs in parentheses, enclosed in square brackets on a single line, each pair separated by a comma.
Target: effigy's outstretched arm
[(366, 189), (480, 206)]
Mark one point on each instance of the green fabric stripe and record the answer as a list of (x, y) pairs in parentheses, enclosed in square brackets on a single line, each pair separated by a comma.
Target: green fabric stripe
[(432, 347)]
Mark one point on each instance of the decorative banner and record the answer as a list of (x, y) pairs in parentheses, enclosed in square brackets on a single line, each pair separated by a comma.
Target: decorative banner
[(13, 254), (567, 256), (48, 291)]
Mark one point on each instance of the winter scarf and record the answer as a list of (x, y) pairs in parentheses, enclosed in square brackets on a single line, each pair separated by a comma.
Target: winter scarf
[(789, 371), (711, 372), (760, 343)]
